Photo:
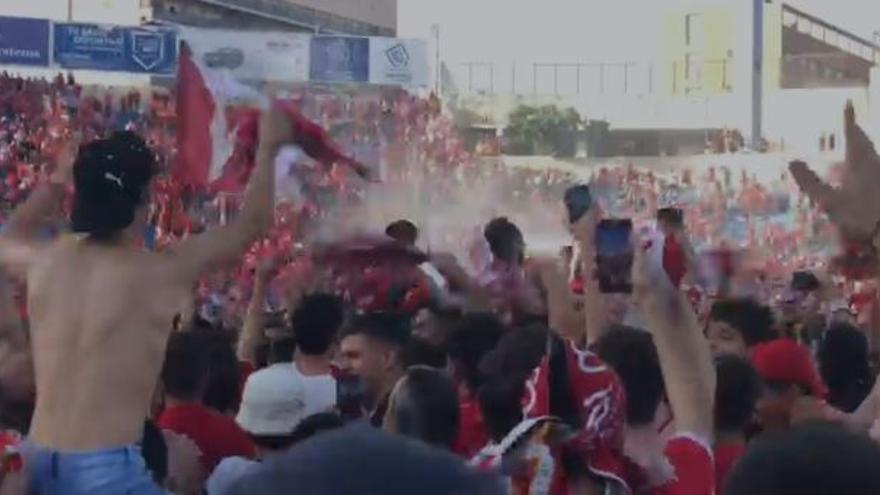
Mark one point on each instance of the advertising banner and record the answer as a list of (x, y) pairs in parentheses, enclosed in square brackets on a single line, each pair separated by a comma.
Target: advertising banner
[(24, 41), (124, 49), (341, 59), (259, 56), (400, 62)]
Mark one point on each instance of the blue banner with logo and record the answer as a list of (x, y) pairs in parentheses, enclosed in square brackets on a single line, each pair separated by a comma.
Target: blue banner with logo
[(24, 41), (124, 49), (340, 59)]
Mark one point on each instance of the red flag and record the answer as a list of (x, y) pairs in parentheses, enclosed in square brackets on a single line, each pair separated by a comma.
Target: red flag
[(195, 111), (217, 141)]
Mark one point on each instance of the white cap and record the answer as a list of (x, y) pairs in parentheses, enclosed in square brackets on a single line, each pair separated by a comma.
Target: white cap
[(273, 402)]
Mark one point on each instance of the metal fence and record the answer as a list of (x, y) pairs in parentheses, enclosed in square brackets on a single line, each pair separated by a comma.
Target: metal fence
[(687, 77), (599, 78)]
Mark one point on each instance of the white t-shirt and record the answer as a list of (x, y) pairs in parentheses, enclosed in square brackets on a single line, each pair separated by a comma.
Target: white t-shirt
[(320, 392)]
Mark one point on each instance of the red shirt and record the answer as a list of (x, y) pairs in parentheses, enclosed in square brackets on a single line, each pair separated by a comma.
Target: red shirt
[(726, 456), (472, 434), (216, 435), (694, 468)]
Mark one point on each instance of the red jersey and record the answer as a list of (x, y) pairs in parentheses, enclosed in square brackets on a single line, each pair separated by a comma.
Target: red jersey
[(472, 434), (694, 467), (216, 435), (726, 456)]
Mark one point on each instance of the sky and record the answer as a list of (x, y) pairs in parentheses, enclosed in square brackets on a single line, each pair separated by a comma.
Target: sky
[(527, 31)]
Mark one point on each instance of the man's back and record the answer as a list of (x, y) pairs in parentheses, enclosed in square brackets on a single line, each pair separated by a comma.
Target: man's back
[(101, 315)]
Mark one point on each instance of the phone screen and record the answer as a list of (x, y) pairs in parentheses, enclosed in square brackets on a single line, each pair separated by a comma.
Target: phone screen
[(578, 201), (349, 397), (614, 255)]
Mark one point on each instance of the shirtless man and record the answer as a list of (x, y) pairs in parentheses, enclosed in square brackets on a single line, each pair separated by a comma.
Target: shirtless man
[(101, 307)]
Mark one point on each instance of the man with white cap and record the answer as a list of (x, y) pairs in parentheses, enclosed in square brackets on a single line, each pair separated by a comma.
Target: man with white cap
[(275, 415)]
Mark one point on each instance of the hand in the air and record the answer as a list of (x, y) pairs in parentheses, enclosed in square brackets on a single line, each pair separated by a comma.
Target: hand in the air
[(275, 129), (855, 207), (584, 230), (267, 266), (63, 173)]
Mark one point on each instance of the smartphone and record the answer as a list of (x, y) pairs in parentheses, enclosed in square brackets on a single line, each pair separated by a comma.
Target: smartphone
[(614, 256), (349, 397), (578, 201), (672, 217)]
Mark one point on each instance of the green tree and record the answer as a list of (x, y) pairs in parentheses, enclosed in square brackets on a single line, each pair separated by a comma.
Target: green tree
[(543, 130)]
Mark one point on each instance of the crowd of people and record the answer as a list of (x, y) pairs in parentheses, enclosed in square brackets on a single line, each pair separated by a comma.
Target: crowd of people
[(156, 339)]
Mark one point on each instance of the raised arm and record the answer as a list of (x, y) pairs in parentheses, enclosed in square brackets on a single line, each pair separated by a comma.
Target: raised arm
[(595, 313), (19, 239), (193, 255), (688, 369), (564, 316), (16, 369), (44, 202), (252, 334)]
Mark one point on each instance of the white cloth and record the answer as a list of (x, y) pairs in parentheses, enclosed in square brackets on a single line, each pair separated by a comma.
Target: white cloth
[(273, 402), (320, 391)]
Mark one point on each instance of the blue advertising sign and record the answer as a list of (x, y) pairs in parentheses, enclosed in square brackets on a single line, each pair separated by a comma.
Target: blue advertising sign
[(340, 59), (125, 49), (24, 41)]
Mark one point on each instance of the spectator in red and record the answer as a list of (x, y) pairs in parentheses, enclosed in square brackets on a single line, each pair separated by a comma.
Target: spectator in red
[(548, 455), (673, 361), (185, 377), (473, 337), (788, 375)]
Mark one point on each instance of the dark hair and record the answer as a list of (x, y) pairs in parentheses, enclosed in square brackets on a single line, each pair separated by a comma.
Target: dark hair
[(186, 367), (420, 352), (805, 281), (111, 177), (316, 323), (281, 350), (632, 354), (504, 372), (403, 231), (155, 451), (752, 320), (306, 429), (502, 236), (474, 336), (844, 366), (815, 459), (737, 393), (223, 390), (426, 407), (390, 328)]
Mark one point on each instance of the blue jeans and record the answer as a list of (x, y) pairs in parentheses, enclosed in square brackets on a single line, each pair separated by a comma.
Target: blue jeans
[(120, 471)]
